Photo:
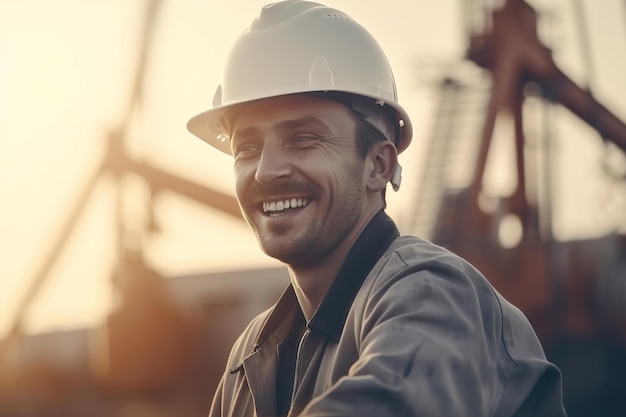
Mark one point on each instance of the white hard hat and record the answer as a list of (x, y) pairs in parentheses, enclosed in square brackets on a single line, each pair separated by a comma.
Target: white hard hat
[(298, 46)]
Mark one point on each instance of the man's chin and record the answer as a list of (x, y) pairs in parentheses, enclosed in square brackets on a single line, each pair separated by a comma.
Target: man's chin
[(281, 254), (286, 253)]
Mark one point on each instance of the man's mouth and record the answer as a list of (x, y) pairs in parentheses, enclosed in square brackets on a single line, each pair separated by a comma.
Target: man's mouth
[(274, 207)]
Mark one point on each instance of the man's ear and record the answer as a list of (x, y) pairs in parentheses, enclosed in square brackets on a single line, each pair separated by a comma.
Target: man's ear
[(383, 159)]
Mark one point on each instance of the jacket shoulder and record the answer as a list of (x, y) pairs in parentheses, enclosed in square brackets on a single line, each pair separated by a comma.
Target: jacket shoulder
[(416, 258)]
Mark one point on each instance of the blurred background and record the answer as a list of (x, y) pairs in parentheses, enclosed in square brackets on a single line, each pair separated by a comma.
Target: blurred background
[(126, 271)]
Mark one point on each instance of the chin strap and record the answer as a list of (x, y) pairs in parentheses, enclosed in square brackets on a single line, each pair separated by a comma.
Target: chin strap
[(396, 179)]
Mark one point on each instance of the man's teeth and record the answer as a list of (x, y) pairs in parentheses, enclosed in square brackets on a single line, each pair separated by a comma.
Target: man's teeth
[(284, 204)]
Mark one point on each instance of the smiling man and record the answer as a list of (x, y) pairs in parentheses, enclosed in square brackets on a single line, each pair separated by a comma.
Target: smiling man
[(373, 323), (302, 149)]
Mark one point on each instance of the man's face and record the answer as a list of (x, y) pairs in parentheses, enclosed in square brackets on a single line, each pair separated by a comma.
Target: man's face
[(299, 180)]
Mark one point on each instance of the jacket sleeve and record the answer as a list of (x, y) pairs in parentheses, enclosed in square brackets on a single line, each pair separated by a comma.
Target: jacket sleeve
[(432, 341)]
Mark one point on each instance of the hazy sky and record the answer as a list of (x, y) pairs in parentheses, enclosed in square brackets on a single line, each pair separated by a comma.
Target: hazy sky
[(66, 68)]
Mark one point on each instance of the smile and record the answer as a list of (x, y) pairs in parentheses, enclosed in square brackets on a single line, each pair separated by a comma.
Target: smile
[(281, 205)]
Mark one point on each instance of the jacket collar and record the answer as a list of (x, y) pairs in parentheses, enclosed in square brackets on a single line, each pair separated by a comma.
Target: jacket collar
[(331, 315)]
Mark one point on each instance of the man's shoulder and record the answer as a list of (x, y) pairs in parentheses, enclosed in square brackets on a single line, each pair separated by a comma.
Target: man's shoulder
[(413, 258), (415, 253), (421, 262)]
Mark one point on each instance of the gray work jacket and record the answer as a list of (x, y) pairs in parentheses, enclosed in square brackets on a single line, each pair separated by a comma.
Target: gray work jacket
[(423, 333)]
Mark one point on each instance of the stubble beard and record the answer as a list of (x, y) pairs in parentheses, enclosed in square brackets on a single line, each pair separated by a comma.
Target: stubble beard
[(322, 235), (298, 251)]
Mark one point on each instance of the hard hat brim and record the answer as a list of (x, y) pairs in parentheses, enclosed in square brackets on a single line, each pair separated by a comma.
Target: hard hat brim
[(209, 127)]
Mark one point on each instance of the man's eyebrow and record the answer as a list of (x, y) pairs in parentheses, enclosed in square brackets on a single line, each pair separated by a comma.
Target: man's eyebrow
[(286, 125), (302, 121)]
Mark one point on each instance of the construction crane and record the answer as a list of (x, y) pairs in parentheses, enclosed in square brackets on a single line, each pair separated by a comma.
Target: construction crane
[(117, 362), (572, 291)]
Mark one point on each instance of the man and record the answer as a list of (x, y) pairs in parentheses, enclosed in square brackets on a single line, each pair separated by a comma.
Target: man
[(373, 323)]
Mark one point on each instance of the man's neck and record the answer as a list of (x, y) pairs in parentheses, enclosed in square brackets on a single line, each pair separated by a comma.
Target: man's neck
[(311, 282)]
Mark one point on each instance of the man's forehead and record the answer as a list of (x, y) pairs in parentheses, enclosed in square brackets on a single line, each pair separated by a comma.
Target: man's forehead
[(286, 112), (284, 124)]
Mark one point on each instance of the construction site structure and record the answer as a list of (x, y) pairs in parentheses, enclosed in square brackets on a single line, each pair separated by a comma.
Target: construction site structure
[(161, 350), (572, 291)]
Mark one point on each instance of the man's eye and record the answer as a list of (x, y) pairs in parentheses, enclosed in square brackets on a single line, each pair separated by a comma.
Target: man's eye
[(305, 140), (246, 150)]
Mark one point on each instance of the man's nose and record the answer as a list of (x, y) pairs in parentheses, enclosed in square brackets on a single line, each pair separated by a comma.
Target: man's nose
[(274, 163)]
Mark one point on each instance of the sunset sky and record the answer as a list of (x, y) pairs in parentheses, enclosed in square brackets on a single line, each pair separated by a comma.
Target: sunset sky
[(66, 71)]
